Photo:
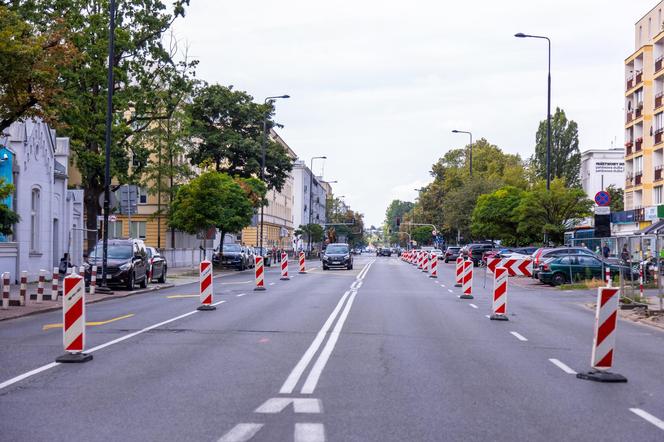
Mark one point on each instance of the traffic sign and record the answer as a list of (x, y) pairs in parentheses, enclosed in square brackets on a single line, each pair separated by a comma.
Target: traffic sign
[(112, 218), (602, 198)]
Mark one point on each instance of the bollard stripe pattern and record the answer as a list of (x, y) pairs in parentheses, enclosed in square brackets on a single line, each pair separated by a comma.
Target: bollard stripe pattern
[(55, 277), (284, 266), (259, 272), (93, 279), (303, 268), (40, 285), (5, 290), (459, 270), (467, 280), (205, 281), (425, 262), (515, 267), (606, 317), (500, 275), (434, 266), (23, 290), (73, 308)]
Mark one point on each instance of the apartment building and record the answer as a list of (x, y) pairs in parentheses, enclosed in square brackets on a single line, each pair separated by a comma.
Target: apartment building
[(309, 189), (644, 120), (278, 215)]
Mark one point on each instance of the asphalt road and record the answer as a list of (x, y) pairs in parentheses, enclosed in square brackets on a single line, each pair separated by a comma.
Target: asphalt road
[(379, 353)]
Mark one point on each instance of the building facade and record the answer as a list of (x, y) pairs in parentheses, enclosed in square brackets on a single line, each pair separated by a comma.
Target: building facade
[(36, 162), (310, 196), (601, 168), (278, 214)]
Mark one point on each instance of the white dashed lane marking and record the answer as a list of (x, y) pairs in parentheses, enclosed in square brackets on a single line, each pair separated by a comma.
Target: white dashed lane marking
[(562, 366), (518, 336), (649, 417)]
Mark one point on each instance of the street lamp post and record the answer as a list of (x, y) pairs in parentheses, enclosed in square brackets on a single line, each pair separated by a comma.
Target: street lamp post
[(470, 154), (268, 99), (548, 109), (311, 193)]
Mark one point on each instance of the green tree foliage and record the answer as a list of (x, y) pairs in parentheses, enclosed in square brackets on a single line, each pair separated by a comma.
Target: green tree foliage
[(212, 199), (565, 155), (495, 216), (617, 198), (228, 127), (551, 212), (397, 209), (7, 216), (314, 232), (34, 46), (422, 234)]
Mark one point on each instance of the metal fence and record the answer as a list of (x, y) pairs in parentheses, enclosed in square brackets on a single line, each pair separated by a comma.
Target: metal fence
[(632, 254)]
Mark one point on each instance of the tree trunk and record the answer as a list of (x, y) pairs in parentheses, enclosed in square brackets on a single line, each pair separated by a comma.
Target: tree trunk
[(91, 213)]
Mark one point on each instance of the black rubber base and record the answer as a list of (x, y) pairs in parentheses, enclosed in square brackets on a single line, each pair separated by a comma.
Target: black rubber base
[(302, 273), (259, 289), (285, 279), (457, 285), (466, 297), (495, 317), (103, 290), (433, 276), (206, 307), (601, 376), (73, 358)]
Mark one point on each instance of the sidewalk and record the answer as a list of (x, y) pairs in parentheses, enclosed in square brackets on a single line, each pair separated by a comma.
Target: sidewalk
[(175, 277)]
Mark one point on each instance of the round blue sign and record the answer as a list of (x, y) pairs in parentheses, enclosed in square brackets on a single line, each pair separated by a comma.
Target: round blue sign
[(602, 198)]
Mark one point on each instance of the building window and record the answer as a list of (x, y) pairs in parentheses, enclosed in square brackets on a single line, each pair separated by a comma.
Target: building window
[(142, 195), (115, 229), (638, 165), (638, 96), (657, 195), (138, 229), (35, 209), (659, 121)]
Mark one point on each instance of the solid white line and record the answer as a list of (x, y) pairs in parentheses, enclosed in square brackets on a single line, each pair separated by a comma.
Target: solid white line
[(317, 370), (562, 366), (649, 417), (241, 433), (305, 432), (520, 337), (218, 303), (99, 347), (296, 373), (472, 305)]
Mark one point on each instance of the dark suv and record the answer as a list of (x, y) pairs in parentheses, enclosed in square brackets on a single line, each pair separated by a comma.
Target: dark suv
[(126, 265), (337, 255), (385, 251), (476, 251), (234, 255)]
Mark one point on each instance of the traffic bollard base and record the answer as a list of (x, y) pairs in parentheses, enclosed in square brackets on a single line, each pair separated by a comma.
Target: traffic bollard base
[(73, 358), (457, 285), (433, 276), (302, 273), (103, 290), (285, 278), (498, 317), (206, 307), (259, 289), (466, 297), (602, 376)]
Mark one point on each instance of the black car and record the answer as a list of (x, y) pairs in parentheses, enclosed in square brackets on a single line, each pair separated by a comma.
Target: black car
[(337, 255), (476, 251), (232, 255), (127, 263), (266, 254), (451, 253), (384, 251), (157, 266)]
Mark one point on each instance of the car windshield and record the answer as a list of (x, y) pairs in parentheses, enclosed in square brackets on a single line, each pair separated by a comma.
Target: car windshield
[(114, 251), (336, 250), (231, 248)]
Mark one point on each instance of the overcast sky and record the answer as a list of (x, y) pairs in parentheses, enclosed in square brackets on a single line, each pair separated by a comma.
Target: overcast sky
[(377, 86)]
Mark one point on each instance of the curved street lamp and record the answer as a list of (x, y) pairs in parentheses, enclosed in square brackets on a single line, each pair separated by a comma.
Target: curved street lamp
[(470, 156)]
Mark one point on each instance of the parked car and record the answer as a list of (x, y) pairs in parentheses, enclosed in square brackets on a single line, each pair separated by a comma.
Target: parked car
[(384, 251), (232, 255), (266, 254), (157, 266), (559, 269), (543, 254), (337, 255), (451, 253), (250, 253), (126, 265), (476, 251)]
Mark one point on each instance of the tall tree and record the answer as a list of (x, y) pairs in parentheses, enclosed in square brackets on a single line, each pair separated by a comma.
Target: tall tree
[(140, 59), (396, 211), (551, 212), (228, 127), (495, 216), (34, 46), (617, 198), (565, 155)]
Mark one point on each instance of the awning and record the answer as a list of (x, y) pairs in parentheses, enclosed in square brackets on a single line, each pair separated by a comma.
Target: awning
[(652, 229)]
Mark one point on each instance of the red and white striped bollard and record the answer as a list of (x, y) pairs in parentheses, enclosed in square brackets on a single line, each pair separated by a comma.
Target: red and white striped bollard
[(434, 266), (205, 285), (93, 279), (40, 285), (499, 306), (284, 266), (73, 320), (425, 263), (641, 280), (467, 280), (303, 265), (607, 275), (55, 279), (23, 289), (5, 290), (604, 339), (459, 272), (260, 274)]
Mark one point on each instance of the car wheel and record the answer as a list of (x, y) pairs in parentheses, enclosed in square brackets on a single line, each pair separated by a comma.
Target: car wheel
[(350, 267), (162, 278), (130, 282), (144, 283), (325, 267), (446, 261), (558, 279)]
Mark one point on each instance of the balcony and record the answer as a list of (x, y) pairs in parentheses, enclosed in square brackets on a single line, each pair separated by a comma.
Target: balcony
[(638, 111), (630, 117), (658, 135), (658, 172), (639, 77), (630, 83), (628, 148), (659, 64), (659, 100), (637, 178), (638, 144), (629, 180)]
